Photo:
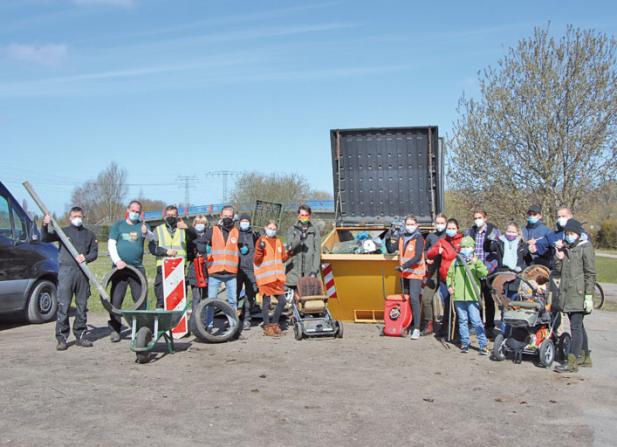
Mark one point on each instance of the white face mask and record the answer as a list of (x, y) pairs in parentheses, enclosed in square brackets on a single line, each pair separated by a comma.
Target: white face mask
[(440, 227), (76, 221), (200, 228), (244, 225), (479, 223), (562, 221), (411, 229), (270, 232)]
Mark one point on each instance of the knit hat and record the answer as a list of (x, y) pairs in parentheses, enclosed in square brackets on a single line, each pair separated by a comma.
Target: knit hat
[(244, 216), (536, 209), (573, 226), (468, 241)]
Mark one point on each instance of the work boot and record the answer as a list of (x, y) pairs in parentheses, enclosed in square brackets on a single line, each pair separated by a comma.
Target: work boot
[(276, 328), (114, 336), (61, 346), (569, 367), (268, 330), (428, 329), (584, 360), (83, 342)]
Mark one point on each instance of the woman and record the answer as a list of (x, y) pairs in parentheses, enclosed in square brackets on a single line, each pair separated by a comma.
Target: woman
[(196, 252), (447, 250), (269, 260), (410, 247), (510, 250), (575, 266)]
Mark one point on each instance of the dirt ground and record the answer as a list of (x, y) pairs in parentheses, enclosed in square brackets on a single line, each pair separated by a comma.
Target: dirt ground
[(361, 390)]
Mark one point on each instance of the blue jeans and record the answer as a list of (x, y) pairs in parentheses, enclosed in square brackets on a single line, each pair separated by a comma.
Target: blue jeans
[(214, 284), (469, 311)]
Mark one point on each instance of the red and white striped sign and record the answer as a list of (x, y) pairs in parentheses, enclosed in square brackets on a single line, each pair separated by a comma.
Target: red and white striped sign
[(174, 292), (328, 277)]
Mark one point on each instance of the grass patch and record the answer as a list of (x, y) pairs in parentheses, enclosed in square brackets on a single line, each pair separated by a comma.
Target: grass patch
[(606, 269)]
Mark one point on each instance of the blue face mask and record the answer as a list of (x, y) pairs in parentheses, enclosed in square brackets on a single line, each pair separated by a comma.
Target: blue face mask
[(467, 252), (134, 217), (571, 238), (244, 225), (451, 233), (533, 219)]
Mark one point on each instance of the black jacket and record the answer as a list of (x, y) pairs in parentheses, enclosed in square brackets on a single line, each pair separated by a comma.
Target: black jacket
[(497, 250), (247, 239), (83, 239)]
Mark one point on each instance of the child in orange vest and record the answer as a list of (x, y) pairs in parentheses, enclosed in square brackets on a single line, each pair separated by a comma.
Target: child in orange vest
[(269, 261)]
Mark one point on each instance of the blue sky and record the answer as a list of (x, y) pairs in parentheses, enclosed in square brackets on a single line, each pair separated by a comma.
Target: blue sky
[(186, 87)]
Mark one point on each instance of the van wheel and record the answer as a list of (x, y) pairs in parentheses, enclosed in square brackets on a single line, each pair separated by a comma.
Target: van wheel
[(42, 302)]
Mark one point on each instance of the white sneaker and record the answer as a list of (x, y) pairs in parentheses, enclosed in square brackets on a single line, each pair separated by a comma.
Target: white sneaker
[(415, 334)]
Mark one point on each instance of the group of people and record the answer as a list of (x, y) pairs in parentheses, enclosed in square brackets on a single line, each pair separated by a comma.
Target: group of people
[(448, 261), (457, 264), (229, 253)]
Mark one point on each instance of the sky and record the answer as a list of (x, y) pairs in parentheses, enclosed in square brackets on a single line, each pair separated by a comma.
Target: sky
[(195, 87)]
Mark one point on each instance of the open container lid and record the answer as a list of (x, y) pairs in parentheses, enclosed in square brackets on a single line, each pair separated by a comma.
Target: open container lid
[(382, 174)]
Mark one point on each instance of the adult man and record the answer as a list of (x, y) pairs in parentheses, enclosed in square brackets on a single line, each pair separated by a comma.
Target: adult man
[(431, 282), (170, 240), (484, 234), (223, 258), (246, 274), (126, 247), (71, 280), (533, 231), (554, 239), (304, 241)]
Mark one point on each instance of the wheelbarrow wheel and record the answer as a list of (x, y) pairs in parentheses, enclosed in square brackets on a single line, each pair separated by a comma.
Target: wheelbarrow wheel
[(217, 307), (143, 339)]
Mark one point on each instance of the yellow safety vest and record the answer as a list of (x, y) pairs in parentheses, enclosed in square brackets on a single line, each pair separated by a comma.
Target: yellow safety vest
[(177, 242)]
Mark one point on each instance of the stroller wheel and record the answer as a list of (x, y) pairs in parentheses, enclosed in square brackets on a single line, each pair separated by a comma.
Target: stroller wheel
[(563, 346), (547, 353), (499, 348), (298, 331), (339, 329)]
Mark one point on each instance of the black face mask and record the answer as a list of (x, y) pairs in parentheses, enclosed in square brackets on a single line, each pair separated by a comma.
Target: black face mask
[(228, 222), (171, 221)]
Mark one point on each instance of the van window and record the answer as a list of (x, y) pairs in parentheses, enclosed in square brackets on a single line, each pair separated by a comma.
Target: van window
[(5, 219), (21, 229)]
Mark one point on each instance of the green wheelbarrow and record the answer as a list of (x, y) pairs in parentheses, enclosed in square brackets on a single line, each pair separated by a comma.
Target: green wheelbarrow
[(147, 327)]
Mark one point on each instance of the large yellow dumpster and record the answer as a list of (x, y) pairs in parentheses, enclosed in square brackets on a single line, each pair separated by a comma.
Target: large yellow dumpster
[(380, 175)]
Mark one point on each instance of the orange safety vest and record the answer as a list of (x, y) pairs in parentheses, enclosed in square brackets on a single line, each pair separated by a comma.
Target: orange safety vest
[(407, 253), (272, 268), (224, 257)]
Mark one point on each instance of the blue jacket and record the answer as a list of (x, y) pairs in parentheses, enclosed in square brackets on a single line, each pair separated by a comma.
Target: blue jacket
[(547, 243), (535, 231)]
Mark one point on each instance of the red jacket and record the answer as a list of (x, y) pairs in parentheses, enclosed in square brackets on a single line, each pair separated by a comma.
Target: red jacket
[(448, 255)]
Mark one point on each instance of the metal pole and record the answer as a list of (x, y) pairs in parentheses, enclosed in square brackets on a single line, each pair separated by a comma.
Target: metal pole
[(71, 248)]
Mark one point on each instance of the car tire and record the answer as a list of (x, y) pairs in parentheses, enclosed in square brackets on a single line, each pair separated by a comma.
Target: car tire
[(218, 307), (42, 302)]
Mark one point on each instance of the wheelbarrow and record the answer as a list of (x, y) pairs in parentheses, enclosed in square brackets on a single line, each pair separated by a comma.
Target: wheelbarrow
[(147, 327)]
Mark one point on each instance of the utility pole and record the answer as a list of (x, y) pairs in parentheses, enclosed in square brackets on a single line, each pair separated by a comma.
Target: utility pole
[(225, 175), (187, 182)]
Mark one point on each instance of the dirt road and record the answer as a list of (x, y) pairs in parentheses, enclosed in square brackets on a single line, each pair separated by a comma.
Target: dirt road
[(361, 390)]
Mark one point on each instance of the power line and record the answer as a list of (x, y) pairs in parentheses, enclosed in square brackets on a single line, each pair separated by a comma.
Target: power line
[(187, 182), (225, 175)]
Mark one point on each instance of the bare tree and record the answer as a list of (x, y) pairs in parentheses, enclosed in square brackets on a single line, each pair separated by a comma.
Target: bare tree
[(544, 127)]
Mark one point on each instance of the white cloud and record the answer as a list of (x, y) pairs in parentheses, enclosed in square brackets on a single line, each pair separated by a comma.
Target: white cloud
[(48, 55), (121, 3)]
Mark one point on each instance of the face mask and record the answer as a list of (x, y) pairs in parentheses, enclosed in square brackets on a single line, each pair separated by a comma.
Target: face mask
[(227, 222), (134, 217), (411, 229), (270, 233), (562, 221), (304, 219), (244, 225), (440, 227), (76, 221), (479, 223), (200, 228), (171, 221), (533, 219), (467, 252), (451, 233), (571, 238), (511, 236)]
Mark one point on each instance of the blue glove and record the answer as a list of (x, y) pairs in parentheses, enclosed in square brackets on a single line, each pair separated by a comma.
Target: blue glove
[(208, 249), (244, 250)]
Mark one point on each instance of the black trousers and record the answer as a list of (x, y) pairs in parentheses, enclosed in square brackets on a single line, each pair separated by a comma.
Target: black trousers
[(246, 279), (580, 343), (489, 305), (280, 305), (72, 281), (158, 288), (414, 288), (122, 280)]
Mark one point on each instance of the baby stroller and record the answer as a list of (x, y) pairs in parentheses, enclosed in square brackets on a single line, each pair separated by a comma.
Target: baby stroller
[(530, 327), (311, 317)]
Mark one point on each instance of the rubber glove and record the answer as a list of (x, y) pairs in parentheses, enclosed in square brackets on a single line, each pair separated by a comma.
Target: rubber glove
[(208, 249), (244, 250), (588, 305)]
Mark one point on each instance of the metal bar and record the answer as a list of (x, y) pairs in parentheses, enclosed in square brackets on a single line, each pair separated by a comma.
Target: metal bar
[(156, 327), (71, 248), (133, 328)]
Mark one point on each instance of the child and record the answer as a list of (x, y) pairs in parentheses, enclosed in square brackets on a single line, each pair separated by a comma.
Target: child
[(464, 289), (269, 260), (510, 250)]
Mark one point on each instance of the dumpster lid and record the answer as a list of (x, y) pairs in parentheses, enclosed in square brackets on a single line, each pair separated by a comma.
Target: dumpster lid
[(382, 174)]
